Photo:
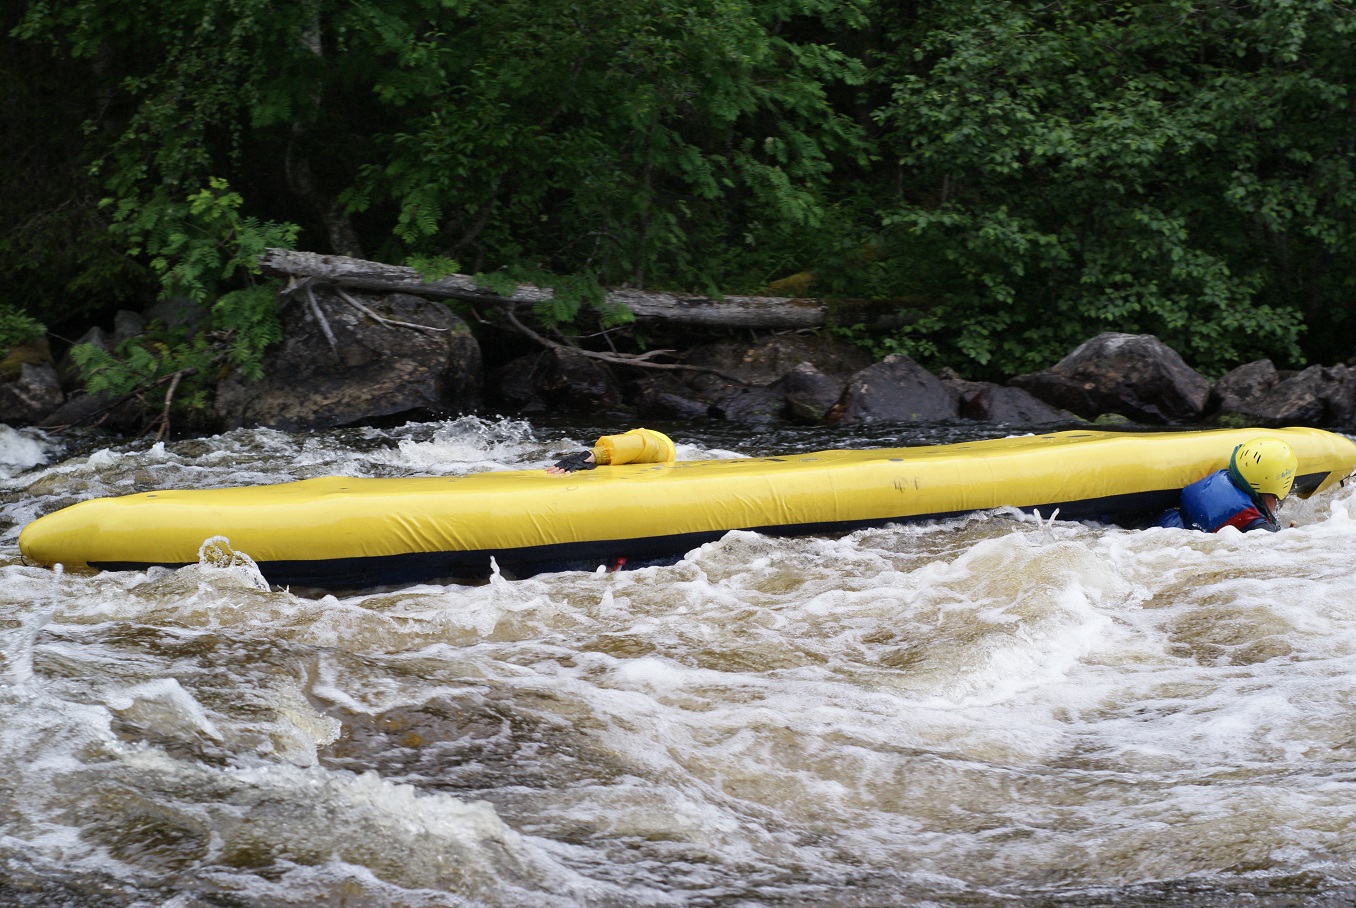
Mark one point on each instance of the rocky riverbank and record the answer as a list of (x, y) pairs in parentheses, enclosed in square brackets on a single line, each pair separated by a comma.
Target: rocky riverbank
[(348, 358)]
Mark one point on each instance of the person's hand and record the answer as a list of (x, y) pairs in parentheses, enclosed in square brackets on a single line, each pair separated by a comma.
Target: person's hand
[(570, 463)]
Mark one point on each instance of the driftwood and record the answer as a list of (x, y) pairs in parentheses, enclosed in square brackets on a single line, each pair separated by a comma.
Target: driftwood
[(729, 312), (98, 415), (636, 360)]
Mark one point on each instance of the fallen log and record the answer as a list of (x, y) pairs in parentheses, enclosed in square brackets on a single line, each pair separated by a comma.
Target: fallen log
[(728, 312)]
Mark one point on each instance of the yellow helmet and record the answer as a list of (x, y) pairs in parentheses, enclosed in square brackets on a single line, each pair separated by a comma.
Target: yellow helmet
[(1267, 465)]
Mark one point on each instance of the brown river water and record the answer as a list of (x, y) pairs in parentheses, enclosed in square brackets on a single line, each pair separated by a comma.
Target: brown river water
[(996, 710)]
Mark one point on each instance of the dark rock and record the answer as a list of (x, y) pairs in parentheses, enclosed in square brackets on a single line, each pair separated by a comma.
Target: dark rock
[(380, 370), (1239, 390), (1323, 396), (964, 389), (660, 398), (896, 389), (514, 387), (766, 362), (760, 405), (67, 371), (808, 394), (127, 325), (81, 409), (1341, 399), (180, 312), (569, 380), (28, 390), (1135, 375), (97, 337), (554, 381), (989, 402)]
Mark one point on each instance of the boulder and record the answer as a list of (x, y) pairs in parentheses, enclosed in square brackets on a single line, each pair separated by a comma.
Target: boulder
[(896, 390), (513, 387), (764, 363), (988, 402), (1322, 396), (379, 370), (757, 405), (126, 325), (556, 380), (659, 397), (569, 380), (29, 387), (808, 394), (1239, 390), (1135, 375), (127, 416)]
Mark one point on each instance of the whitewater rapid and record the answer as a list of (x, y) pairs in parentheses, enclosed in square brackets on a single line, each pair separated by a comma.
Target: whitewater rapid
[(998, 709)]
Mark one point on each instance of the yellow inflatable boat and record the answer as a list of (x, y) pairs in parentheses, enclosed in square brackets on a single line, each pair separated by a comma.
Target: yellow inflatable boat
[(344, 533)]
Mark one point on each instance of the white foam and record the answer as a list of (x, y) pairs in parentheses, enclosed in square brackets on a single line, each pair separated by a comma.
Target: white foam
[(995, 704), (468, 444), (165, 703), (22, 449)]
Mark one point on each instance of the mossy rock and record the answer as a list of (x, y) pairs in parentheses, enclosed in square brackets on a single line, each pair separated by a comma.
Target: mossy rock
[(34, 354)]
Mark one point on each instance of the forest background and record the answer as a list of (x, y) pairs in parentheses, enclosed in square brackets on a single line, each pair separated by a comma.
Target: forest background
[(1007, 179)]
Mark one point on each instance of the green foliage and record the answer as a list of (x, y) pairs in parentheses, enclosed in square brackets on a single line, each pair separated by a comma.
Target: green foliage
[(612, 139), (198, 245), (1020, 176), (1076, 168), (431, 268), (18, 328), (197, 248), (565, 301), (570, 294), (499, 283), (138, 364), (914, 340), (249, 320)]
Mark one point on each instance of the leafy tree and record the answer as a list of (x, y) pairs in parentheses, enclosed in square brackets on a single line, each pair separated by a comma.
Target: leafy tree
[(1181, 168), (1013, 176), (197, 249), (55, 260), (638, 142), (635, 142)]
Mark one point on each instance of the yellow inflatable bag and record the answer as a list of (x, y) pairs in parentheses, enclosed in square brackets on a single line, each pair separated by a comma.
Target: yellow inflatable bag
[(635, 446)]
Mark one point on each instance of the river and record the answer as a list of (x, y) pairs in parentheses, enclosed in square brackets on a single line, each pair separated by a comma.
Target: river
[(997, 710)]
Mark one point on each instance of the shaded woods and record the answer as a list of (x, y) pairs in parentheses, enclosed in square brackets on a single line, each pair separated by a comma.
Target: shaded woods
[(997, 181)]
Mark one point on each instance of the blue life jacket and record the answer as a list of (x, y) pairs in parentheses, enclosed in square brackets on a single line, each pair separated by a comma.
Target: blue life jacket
[(1212, 503)]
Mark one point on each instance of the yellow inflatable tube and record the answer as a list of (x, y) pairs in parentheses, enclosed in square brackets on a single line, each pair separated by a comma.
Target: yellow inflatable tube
[(343, 533), (635, 446)]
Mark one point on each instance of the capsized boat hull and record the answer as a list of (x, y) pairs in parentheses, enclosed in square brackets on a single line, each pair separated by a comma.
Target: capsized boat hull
[(344, 533)]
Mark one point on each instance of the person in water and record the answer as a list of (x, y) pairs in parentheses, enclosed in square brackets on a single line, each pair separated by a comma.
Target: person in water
[(1260, 475), (635, 446)]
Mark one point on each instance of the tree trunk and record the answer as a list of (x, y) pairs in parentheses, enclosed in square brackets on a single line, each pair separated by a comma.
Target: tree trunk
[(729, 312)]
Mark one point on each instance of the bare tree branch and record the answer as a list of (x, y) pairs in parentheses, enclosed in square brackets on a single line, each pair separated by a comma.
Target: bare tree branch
[(639, 361), (387, 322), (169, 400)]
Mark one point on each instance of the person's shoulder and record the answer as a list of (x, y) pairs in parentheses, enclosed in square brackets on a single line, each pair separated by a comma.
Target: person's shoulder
[(1211, 479)]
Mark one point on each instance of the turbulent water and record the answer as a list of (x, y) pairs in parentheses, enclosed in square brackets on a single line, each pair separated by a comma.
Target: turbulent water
[(996, 710)]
